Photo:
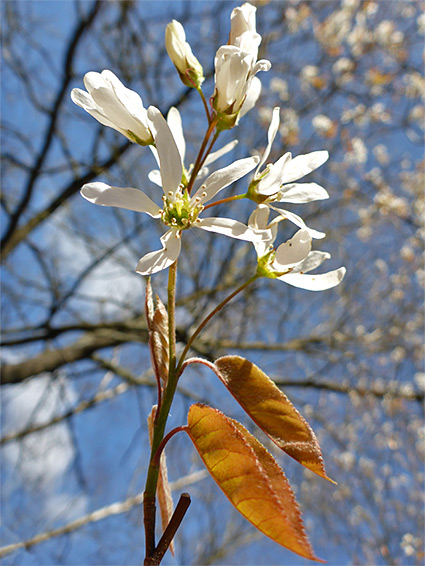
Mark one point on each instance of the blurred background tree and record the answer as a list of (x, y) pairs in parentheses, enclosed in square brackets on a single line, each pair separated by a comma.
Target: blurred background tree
[(76, 379)]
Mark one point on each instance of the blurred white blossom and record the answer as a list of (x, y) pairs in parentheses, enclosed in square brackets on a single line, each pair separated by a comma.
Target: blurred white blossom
[(357, 154)]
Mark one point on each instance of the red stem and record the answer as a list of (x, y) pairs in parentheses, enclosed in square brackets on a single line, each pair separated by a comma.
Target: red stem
[(157, 455), (201, 158)]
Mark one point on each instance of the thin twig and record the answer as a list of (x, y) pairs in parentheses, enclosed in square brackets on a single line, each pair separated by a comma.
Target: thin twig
[(168, 535)]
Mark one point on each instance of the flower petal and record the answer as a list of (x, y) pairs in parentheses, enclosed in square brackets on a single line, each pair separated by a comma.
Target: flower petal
[(155, 177), (131, 199), (252, 95), (271, 182), (231, 228), (86, 102), (313, 260), (258, 221), (292, 251), (302, 192), (298, 221), (259, 217), (174, 120), (169, 156), (303, 164), (155, 154), (220, 152), (161, 259), (273, 128), (319, 282), (262, 65), (131, 102), (223, 178), (249, 42), (232, 71), (104, 89)]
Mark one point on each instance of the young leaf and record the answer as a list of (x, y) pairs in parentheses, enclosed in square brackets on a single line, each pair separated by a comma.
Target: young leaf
[(271, 410), (149, 305), (157, 318), (249, 477), (160, 339), (163, 491)]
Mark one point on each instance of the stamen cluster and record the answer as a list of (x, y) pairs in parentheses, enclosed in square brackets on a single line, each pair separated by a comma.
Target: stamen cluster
[(178, 210)]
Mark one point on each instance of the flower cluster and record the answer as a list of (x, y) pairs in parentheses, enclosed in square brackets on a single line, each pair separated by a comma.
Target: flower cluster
[(236, 91)]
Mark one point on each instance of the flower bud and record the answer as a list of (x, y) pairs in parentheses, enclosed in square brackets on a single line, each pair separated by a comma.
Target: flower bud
[(114, 105), (232, 70), (180, 53), (242, 19)]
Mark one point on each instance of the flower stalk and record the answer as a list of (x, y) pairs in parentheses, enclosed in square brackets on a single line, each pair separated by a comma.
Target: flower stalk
[(202, 325), (201, 157)]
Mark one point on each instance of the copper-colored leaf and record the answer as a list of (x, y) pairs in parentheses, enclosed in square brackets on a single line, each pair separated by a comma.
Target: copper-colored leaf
[(249, 476), (165, 499), (157, 318), (160, 341), (149, 305), (271, 410)]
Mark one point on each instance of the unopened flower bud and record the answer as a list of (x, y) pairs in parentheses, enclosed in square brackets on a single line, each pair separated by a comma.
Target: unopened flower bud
[(180, 53)]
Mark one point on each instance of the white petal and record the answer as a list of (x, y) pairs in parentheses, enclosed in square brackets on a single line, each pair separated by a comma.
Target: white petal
[(302, 192), (262, 65), (303, 164), (106, 99), (249, 42), (220, 152), (155, 154), (231, 228), (174, 120), (259, 217), (252, 95), (224, 177), (85, 101), (272, 181), (298, 221), (319, 282), (131, 199), (273, 128), (232, 73), (292, 251), (169, 156), (155, 177), (82, 99), (313, 260), (132, 103), (258, 221), (161, 259)]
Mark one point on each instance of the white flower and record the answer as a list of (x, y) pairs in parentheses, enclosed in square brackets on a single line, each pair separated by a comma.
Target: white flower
[(275, 183), (180, 53), (174, 122), (243, 32), (234, 74), (293, 259), (180, 211), (236, 87), (114, 105), (242, 19)]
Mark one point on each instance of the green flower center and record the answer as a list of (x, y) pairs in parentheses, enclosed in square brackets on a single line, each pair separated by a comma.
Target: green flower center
[(253, 193), (264, 268), (179, 212)]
